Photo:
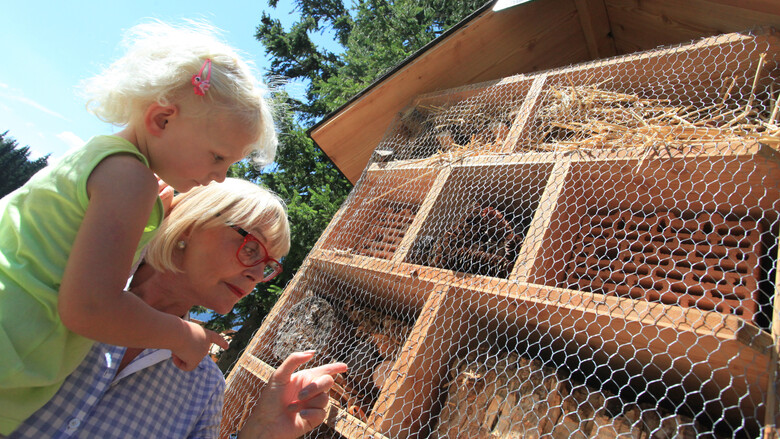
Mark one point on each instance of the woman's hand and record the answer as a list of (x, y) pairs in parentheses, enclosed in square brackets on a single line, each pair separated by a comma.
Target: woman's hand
[(292, 403)]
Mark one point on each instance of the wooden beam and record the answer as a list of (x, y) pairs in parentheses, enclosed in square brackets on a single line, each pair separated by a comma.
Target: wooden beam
[(596, 27), (529, 252), (416, 373), (771, 416), (651, 23), (422, 214), (526, 112), (257, 367), (348, 425)]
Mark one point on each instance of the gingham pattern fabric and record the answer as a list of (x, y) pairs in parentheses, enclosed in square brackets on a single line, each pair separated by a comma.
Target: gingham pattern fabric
[(158, 401)]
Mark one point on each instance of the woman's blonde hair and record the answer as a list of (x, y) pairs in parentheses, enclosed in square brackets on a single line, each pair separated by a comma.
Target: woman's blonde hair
[(158, 67), (236, 202)]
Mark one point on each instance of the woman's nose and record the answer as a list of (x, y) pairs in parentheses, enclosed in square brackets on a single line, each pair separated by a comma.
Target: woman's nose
[(256, 273), (219, 177)]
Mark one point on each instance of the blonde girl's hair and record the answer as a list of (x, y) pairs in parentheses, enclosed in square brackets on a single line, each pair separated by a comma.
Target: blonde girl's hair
[(158, 66), (232, 202)]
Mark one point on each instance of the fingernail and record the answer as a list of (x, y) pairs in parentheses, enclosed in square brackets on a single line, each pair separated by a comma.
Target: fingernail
[(310, 351)]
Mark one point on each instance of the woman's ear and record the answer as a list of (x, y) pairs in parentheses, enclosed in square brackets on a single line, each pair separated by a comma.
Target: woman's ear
[(187, 233), (157, 117), (180, 246)]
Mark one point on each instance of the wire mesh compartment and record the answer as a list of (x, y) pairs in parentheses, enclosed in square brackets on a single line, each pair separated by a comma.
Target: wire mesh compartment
[(585, 252), (717, 90), (480, 219), (385, 206), (506, 394), (694, 231), (475, 118), (370, 354), (339, 319), (343, 318), (511, 371)]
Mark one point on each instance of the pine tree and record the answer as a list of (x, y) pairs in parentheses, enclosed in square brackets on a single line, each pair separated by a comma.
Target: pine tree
[(15, 164), (375, 35)]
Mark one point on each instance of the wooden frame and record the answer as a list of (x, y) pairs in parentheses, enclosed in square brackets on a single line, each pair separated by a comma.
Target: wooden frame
[(674, 346)]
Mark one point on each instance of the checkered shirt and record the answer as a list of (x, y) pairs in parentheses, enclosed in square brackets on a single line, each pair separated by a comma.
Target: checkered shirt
[(157, 401)]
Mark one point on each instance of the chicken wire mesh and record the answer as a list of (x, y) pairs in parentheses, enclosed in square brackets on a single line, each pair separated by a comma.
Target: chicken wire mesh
[(589, 251)]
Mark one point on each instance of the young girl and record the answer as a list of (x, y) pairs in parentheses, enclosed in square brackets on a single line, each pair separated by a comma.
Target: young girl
[(190, 108)]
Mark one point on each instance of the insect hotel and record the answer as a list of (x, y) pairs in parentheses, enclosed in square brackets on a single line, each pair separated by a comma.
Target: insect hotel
[(586, 251)]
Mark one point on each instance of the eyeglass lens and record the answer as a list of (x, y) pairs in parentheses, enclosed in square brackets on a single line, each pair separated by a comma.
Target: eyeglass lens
[(252, 254)]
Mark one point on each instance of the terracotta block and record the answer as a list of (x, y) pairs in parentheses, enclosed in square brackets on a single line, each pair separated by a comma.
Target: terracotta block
[(709, 262)]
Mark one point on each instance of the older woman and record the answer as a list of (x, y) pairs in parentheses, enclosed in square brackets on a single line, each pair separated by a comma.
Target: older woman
[(218, 242)]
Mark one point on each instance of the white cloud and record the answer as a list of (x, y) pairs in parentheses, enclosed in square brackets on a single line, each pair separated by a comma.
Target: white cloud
[(15, 95), (71, 139), (38, 106), (65, 142)]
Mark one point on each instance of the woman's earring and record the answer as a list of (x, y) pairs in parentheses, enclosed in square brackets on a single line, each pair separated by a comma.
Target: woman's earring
[(181, 244)]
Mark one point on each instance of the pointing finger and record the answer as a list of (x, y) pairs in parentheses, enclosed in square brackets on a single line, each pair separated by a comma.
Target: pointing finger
[(329, 369), (291, 363)]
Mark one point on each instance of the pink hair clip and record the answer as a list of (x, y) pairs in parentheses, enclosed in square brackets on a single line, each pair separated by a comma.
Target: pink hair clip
[(201, 84)]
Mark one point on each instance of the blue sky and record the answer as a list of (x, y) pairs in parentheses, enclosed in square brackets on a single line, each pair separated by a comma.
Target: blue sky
[(48, 47)]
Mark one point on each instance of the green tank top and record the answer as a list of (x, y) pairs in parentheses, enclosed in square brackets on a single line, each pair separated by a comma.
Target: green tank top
[(38, 225)]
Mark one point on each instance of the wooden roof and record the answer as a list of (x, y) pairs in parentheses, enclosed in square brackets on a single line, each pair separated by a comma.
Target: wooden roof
[(532, 36)]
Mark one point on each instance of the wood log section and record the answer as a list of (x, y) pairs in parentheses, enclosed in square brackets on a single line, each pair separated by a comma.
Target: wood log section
[(307, 326), (342, 329), (483, 243), (507, 395)]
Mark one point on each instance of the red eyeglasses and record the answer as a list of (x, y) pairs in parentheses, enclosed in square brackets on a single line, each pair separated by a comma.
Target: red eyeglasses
[(252, 252)]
